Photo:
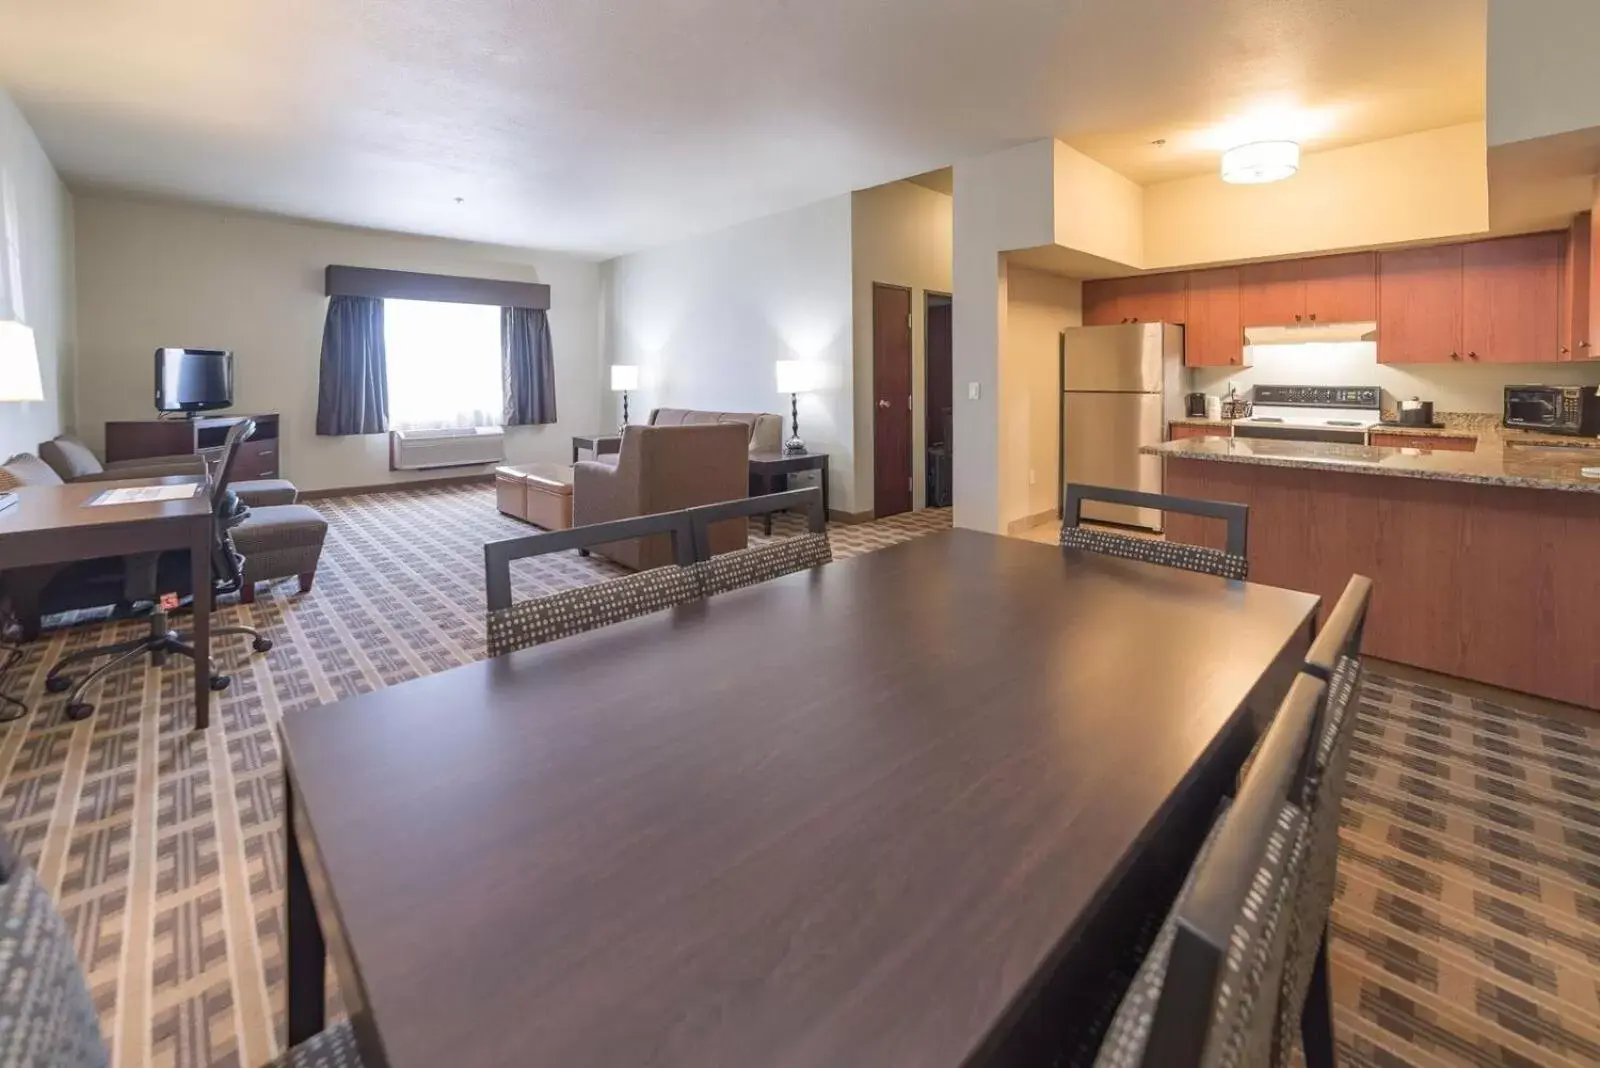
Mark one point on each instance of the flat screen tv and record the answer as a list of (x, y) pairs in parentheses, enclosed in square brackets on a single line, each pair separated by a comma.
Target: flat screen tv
[(193, 380)]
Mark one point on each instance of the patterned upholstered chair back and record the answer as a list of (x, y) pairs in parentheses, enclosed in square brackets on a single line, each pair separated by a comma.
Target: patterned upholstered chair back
[(586, 608), (1230, 563), (46, 1014), (746, 567), (1152, 551)]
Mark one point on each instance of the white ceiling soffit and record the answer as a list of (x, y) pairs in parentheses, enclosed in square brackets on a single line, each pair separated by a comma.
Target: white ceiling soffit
[(604, 127)]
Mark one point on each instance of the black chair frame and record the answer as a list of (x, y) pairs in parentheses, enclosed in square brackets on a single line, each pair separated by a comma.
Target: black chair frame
[(1237, 516)]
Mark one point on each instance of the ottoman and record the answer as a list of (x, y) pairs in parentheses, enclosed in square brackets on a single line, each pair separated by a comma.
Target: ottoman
[(277, 541), (260, 492), (540, 494)]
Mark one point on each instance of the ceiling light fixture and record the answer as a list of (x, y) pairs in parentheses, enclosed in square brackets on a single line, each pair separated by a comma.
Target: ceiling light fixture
[(1260, 161)]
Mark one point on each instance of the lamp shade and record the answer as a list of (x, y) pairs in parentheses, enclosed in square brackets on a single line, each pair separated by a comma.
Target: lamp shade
[(19, 363), (1260, 162), (796, 376), (624, 376)]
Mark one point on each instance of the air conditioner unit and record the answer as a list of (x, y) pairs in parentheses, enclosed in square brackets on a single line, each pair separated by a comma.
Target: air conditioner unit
[(457, 446)]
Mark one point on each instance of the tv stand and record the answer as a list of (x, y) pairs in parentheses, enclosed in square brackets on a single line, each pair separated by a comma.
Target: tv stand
[(199, 435)]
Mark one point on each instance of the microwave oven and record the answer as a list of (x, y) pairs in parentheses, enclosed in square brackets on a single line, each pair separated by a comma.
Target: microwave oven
[(1571, 410)]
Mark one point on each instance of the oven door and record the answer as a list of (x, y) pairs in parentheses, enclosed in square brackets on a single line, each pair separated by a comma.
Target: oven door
[(1299, 432), (1534, 409)]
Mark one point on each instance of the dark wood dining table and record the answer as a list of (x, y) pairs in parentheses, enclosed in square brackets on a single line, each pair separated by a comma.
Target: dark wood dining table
[(893, 811)]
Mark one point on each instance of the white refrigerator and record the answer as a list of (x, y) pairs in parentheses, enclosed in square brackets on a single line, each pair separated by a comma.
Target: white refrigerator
[(1120, 388)]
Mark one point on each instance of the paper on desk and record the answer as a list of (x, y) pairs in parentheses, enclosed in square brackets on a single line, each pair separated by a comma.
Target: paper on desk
[(146, 494)]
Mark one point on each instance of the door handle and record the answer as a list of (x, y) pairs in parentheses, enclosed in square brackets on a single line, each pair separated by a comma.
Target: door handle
[(883, 404)]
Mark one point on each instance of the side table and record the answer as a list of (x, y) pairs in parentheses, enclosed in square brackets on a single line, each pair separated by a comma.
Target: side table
[(598, 444), (770, 471)]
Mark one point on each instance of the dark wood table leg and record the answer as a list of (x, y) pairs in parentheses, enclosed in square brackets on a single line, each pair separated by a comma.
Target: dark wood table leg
[(1316, 1020), (200, 580), (307, 956)]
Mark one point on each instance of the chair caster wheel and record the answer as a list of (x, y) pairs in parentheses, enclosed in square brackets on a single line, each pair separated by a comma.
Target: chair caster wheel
[(58, 683), (261, 645), (79, 711), (221, 682)]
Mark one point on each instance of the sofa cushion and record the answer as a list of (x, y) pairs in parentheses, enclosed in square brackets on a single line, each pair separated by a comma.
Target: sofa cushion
[(70, 458), (26, 469), (766, 431)]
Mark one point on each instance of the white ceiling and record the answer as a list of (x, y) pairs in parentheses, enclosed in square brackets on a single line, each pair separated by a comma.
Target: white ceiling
[(601, 127)]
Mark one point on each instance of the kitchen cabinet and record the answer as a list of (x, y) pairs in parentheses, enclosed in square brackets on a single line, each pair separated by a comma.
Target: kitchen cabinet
[(1577, 278), (1413, 441), (1148, 298), (1324, 289), (1213, 331), (1419, 305), (1179, 432), (1511, 299)]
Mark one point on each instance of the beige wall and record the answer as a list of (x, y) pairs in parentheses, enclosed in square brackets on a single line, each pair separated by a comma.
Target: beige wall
[(43, 243), (1038, 307), (154, 273), (900, 235), (1421, 187), (1098, 212)]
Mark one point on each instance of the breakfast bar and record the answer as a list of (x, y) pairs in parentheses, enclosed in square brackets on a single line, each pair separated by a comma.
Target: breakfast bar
[(1485, 563)]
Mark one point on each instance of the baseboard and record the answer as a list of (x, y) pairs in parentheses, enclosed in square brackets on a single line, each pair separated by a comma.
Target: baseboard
[(1028, 522), (849, 519), (485, 477)]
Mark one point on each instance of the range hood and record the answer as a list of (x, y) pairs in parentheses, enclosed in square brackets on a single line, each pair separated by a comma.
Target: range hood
[(1305, 333)]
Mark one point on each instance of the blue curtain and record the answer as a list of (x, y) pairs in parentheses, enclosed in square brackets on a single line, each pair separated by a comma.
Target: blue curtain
[(529, 366), (353, 390)]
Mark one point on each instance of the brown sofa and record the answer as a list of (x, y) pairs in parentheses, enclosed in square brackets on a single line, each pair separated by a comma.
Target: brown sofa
[(663, 469), (766, 431)]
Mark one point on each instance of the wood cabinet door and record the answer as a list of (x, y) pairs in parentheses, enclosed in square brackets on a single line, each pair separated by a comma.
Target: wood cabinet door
[(1213, 334), (1511, 299), (1102, 302), (1576, 279), (1154, 298), (1341, 289), (1179, 432), (1272, 294), (1419, 305), (1411, 441)]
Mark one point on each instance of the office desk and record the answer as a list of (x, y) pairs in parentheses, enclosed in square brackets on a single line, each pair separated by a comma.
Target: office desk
[(53, 525)]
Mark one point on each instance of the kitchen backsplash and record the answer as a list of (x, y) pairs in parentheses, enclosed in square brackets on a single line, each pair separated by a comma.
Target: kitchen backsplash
[(1451, 387)]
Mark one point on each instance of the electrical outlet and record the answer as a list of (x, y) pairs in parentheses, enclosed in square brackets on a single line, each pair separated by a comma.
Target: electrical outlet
[(974, 390)]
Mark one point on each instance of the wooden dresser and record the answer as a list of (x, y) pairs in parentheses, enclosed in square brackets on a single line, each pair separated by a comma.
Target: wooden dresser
[(141, 439)]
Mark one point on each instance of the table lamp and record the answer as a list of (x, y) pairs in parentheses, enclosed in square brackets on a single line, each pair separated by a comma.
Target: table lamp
[(19, 373), (624, 376), (794, 378)]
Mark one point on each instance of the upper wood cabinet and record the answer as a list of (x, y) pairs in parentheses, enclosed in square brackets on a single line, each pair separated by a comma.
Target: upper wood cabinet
[(1146, 298), (1577, 280), (1326, 289), (1213, 333), (1511, 299), (1419, 305)]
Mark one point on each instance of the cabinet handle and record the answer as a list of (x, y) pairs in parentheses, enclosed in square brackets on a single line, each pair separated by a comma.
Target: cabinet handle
[(1583, 344), (1565, 351), (1472, 355), (1313, 318), (1455, 356), (1297, 318)]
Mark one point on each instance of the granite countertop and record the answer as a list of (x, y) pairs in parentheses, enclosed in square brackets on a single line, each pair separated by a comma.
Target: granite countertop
[(1529, 468), (1480, 425)]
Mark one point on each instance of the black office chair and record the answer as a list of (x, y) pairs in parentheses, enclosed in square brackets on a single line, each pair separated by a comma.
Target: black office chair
[(170, 572)]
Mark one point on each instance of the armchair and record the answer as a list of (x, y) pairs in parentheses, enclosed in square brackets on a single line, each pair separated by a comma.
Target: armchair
[(74, 461), (665, 469)]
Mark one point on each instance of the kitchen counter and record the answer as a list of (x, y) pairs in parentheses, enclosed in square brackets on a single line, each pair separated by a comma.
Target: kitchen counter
[(1485, 428), (1522, 467)]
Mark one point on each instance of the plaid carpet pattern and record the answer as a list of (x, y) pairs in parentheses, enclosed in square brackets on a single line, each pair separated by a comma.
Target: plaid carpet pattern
[(1467, 928), (164, 847)]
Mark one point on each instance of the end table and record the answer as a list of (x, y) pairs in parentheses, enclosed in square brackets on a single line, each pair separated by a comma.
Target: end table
[(770, 471)]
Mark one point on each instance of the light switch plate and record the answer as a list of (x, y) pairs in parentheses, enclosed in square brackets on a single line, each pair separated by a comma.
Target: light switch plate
[(974, 390)]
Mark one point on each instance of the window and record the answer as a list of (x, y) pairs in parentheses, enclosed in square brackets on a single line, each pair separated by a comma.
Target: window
[(444, 364)]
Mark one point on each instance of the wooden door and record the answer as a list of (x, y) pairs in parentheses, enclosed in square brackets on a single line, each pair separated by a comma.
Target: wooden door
[(1511, 299), (1576, 278), (1419, 305), (1213, 335), (1341, 289), (1153, 298), (937, 346), (1272, 294), (891, 395)]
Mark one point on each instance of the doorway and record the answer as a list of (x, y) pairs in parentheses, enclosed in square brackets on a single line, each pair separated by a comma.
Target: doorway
[(891, 395), (938, 401)]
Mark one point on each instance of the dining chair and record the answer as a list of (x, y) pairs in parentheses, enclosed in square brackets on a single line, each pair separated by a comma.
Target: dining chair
[(1230, 563), (722, 572), (46, 1014), (1305, 1026), (1208, 992), (333, 1048)]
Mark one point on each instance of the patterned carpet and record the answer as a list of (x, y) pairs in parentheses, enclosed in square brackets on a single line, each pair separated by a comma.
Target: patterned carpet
[(1467, 926)]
